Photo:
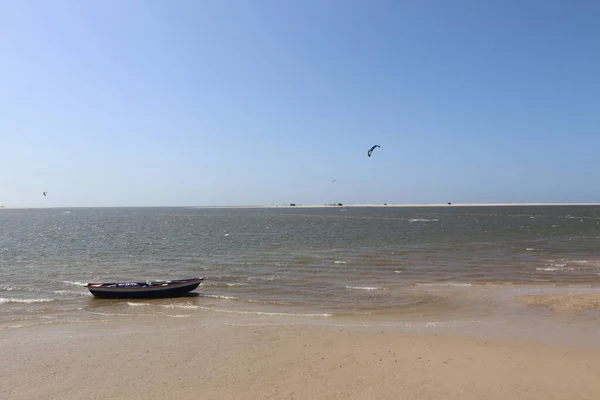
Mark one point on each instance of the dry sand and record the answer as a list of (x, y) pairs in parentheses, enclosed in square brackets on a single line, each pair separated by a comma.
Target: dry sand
[(222, 361)]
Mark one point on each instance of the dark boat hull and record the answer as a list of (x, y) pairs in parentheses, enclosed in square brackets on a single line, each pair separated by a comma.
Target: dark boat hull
[(142, 290)]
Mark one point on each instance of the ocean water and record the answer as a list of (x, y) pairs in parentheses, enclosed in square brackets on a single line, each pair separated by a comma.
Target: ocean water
[(329, 263)]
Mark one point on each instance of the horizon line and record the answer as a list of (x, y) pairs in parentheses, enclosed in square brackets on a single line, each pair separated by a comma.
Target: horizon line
[(299, 205)]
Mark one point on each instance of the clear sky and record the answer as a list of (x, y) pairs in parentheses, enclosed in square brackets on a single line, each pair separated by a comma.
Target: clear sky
[(168, 103)]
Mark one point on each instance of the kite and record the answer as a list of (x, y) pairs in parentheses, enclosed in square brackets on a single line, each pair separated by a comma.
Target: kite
[(371, 150)]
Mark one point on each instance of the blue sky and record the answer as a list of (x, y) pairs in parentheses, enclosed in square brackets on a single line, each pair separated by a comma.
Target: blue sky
[(156, 103)]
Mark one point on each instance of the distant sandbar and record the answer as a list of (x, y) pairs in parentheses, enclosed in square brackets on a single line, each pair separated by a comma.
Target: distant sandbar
[(385, 205)]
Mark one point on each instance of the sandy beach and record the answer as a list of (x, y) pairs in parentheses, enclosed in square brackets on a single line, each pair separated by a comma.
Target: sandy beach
[(199, 360)]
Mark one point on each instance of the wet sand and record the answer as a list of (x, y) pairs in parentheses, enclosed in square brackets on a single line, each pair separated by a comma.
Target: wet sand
[(576, 303), (175, 359)]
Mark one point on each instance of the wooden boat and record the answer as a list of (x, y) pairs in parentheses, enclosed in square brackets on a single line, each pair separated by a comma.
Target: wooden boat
[(124, 290)]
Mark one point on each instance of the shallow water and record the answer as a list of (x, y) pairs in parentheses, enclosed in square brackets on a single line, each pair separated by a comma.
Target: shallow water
[(332, 263)]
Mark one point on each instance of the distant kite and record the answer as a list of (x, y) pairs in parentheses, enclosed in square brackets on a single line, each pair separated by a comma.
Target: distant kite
[(371, 150), (333, 181), (45, 193)]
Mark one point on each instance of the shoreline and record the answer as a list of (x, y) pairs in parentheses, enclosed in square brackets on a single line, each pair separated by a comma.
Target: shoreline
[(522, 347), (556, 314)]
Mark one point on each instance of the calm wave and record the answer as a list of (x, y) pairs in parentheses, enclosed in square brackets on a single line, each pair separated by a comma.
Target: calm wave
[(286, 261)]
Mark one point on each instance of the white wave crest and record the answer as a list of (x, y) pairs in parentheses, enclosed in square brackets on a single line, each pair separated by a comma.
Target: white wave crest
[(423, 220), (19, 289), (72, 292), (4, 300), (266, 278), (446, 284), (218, 296), (187, 306), (75, 283), (340, 262), (556, 267), (11, 327), (110, 314), (268, 302), (221, 284), (362, 287), (274, 314)]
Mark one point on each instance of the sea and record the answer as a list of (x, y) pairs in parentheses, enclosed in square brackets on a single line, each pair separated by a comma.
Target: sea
[(332, 265)]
